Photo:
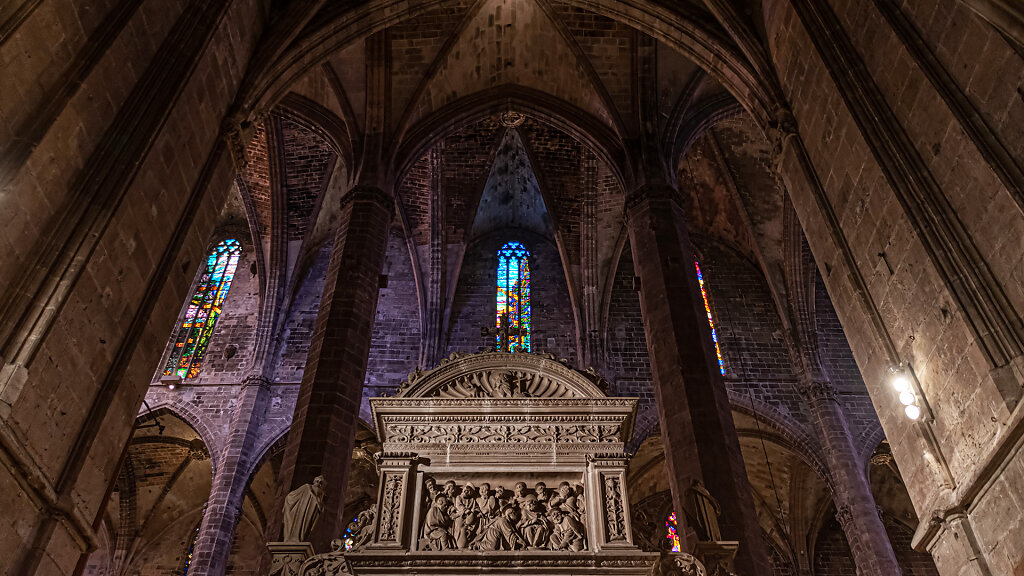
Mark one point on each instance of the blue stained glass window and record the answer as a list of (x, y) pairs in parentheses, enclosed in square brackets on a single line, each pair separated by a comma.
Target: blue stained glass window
[(204, 308), (711, 321), (513, 298)]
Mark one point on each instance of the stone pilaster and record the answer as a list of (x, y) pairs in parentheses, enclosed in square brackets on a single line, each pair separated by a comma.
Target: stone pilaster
[(217, 532), (327, 410), (394, 528), (696, 418), (608, 518), (856, 511)]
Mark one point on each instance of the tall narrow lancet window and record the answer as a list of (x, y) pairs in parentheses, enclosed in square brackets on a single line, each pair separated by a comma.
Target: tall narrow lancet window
[(204, 308), (711, 321), (193, 538), (671, 533), (513, 316)]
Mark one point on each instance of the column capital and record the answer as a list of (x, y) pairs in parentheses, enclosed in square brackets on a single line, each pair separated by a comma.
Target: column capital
[(844, 514), (369, 193), (256, 380), (655, 192), (816, 390)]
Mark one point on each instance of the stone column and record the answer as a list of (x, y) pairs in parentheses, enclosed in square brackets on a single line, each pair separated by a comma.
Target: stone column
[(696, 418), (327, 409), (856, 510), (217, 532)]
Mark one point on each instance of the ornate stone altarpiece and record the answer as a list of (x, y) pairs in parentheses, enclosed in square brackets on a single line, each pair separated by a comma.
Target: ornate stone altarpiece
[(500, 463)]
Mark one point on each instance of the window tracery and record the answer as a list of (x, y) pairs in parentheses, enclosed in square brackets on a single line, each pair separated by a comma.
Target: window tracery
[(513, 320), (204, 308)]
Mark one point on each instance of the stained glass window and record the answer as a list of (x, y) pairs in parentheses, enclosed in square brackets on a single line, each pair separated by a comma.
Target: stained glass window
[(513, 298), (670, 526), (191, 550), (203, 310), (711, 321), (350, 539)]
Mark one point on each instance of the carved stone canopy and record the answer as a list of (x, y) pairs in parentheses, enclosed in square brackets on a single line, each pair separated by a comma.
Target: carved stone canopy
[(501, 375), (518, 405), (504, 463)]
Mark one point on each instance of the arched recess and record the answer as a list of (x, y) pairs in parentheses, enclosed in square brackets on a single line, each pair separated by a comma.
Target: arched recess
[(261, 496), (679, 27), (159, 496), (565, 117)]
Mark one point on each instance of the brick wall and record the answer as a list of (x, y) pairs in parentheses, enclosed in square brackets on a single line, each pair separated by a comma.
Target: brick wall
[(474, 305), (395, 345)]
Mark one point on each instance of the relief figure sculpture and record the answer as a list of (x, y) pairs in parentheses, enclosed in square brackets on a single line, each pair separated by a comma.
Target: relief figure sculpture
[(468, 518), (465, 517), (501, 534), (437, 526)]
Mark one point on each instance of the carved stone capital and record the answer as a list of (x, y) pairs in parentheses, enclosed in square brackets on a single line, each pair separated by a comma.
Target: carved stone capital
[(844, 514), (649, 193), (365, 193), (286, 558), (680, 564), (818, 390), (256, 380)]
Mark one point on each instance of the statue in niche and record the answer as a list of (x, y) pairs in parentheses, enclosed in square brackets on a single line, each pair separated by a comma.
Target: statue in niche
[(500, 533), (465, 517), (566, 532), (486, 503), (302, 509), (706, 510), (533, 525), (437, 526), (362, 528)]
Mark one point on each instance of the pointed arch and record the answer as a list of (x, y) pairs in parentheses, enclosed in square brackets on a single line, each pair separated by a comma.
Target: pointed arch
[(202, 311)]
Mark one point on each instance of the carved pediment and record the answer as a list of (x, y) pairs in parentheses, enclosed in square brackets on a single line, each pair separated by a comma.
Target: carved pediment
[(502, 375)]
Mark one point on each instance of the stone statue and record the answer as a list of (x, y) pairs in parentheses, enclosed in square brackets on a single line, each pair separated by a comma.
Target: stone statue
[(437, 526), (706, 510), (302, 509)]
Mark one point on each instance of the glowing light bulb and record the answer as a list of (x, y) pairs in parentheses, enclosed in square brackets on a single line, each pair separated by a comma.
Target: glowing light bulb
[(170, 386), (900, 383), (912, 412), (907, 398)]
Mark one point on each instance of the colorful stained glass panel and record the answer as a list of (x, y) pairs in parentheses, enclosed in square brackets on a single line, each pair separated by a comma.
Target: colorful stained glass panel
[(711, 321), (513, 298), (186, 359), (672, 535)]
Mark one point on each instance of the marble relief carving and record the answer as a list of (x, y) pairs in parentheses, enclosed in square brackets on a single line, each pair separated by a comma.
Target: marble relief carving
[(390, 507), (615, 517), (469, 517)]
